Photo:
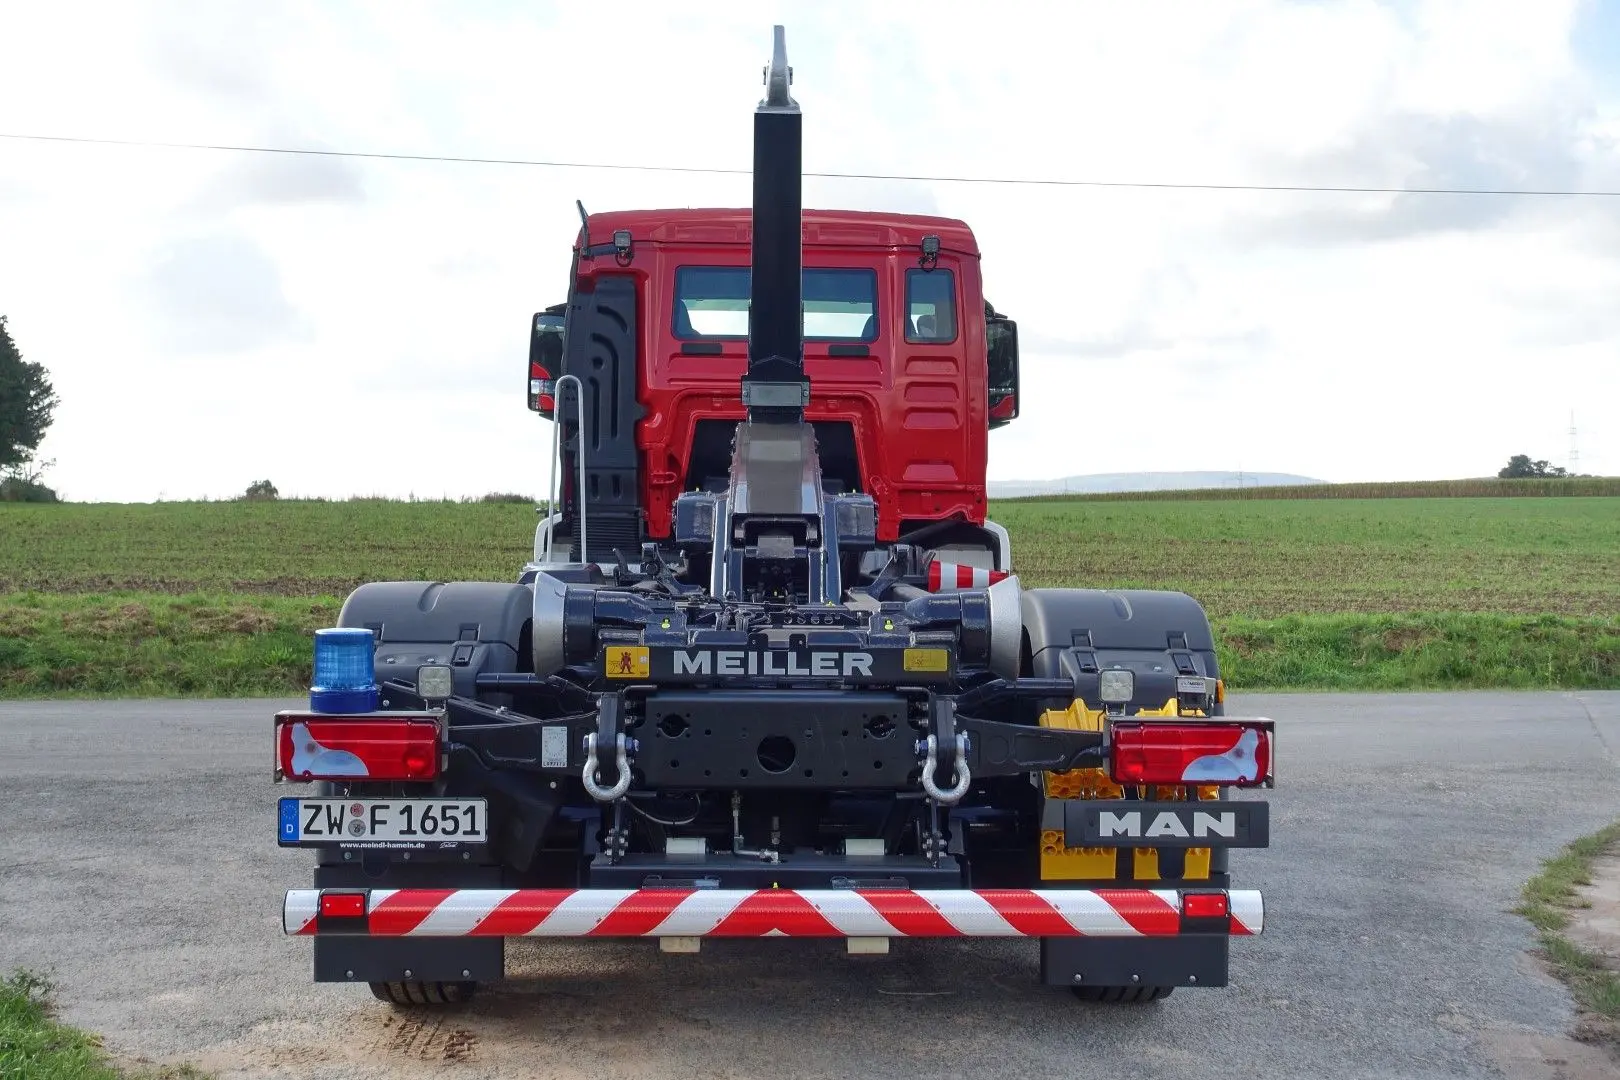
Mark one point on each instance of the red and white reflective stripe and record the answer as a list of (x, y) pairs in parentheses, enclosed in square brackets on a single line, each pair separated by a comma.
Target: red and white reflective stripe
[(949, 577), (771, 913), (1248, 911)]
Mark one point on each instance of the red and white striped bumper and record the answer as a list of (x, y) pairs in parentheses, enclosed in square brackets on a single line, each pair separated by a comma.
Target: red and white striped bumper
[(745, 913)]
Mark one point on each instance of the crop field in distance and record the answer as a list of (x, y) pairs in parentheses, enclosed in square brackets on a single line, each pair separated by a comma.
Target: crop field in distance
[(1483, 487), (1372, 593)]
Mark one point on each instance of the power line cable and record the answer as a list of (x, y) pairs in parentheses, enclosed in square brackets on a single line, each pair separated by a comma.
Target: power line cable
[(714, 170)]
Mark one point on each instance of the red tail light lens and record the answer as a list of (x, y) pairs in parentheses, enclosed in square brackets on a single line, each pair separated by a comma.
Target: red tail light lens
[(344, 905), (1236, 755), (543, 387), (1199, 905), (318, 748), (1004, 409)]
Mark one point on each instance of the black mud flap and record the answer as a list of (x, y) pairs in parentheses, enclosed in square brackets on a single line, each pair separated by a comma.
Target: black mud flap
[(369, 960), (340, 958), (1190, 960)]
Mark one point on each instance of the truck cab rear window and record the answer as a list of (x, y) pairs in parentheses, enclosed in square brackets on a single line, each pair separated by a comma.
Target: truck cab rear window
[(930, 306), (712, 302)]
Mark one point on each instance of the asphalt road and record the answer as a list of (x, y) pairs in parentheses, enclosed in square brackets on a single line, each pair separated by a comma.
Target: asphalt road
[(138, 867)]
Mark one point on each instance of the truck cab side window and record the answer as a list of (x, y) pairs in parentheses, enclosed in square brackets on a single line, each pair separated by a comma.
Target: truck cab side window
[(930, 306)]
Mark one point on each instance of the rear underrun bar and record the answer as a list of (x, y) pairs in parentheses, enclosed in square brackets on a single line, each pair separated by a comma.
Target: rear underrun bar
[(746, 913)]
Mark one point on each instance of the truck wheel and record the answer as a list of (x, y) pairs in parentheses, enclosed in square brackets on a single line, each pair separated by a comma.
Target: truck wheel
[(1121, 994), (418, 994)]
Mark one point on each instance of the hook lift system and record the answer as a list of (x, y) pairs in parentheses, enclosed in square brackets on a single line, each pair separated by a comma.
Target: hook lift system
[(770, 672)]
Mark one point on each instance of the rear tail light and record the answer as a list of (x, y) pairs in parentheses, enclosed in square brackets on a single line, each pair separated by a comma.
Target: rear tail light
[(311, 747), (346, 905), (1202, 905), (1233, 754), (542, 387)]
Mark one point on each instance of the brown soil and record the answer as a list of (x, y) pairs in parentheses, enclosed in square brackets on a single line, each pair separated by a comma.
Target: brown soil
[(1591, 1050), (1406, 638)]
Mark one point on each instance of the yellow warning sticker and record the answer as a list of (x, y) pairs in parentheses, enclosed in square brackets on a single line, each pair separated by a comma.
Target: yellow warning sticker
[(626, 662), (926, 660)]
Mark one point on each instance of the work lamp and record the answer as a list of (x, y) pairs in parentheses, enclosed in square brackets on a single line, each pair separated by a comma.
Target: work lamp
[(435, 683), (1116, 686)]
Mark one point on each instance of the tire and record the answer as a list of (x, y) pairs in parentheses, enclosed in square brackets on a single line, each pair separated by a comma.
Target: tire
[(1122, 995), (416, 995)]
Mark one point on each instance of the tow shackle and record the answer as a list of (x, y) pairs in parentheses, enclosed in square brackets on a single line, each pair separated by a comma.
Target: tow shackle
[(588, 774), (952, 795)]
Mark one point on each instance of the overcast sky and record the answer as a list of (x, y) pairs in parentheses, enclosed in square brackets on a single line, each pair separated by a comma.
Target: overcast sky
[(351, 326)]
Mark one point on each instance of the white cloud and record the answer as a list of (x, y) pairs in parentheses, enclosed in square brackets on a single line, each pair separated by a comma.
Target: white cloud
[(351, 325)]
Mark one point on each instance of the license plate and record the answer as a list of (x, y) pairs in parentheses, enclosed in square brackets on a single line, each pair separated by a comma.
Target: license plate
[(394, 823)]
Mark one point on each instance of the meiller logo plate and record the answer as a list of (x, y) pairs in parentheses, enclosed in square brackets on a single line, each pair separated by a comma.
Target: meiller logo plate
[(692, 664)]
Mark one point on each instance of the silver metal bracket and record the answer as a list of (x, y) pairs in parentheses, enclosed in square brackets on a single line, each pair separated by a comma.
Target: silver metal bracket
[(589, 773), (962, 780), (779, 76)]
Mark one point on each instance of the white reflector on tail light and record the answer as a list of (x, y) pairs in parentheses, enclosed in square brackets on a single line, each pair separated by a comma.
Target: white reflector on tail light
[(357, 748), (951, 577), (1236, 753)]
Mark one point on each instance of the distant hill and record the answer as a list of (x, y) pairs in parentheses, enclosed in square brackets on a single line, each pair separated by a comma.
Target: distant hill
[(1142, 481)]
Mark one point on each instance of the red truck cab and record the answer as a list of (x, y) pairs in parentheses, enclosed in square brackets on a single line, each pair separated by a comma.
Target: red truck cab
[(909, 367)]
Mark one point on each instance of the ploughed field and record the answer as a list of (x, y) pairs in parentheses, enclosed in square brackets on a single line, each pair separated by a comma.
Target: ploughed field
[(1366, 593)]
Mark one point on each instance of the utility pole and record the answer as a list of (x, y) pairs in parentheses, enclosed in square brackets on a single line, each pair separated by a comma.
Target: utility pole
[(1574, 446)]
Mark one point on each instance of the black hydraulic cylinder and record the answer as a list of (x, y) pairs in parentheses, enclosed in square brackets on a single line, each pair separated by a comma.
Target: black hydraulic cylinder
[(775, 388)]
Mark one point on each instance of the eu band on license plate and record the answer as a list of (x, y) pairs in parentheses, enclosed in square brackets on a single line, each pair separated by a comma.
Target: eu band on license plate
[(393, 823)]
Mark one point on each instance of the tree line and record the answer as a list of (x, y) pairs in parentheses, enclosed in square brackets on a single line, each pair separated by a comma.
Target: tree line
[(1520, 466), (27, 404)]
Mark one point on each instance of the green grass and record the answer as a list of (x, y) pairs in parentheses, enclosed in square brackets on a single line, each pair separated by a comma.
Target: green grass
[(1252, 559), (1549, 899), (1328, 557), (280, 548), (1550, 895), (155, 645), (220, 598), (94, 645), (1419, 652), (35, 1046)]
